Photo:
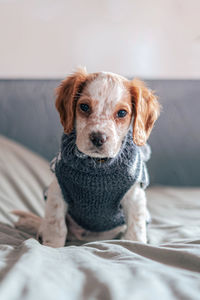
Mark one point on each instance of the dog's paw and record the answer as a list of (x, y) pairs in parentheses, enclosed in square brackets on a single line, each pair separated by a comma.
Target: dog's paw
[(48, 236), (51, 243)]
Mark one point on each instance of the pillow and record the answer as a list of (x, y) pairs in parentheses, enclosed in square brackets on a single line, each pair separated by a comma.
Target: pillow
[(23, 177)]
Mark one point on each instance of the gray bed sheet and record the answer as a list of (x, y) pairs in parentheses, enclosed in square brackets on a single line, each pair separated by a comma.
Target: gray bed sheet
[(166, 268)]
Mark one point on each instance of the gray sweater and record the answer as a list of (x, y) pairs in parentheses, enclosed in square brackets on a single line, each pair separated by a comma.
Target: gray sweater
[(93, 189)]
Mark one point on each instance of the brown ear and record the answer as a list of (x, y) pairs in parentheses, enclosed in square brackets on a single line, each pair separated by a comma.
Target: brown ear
[(67, 94), (146, 111)]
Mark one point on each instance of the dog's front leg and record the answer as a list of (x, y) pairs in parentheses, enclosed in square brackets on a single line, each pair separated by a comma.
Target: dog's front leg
[(135, 210), (53, 230)]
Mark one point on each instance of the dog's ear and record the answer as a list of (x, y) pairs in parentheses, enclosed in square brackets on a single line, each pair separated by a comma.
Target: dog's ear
[(146, 110), (66, 96)]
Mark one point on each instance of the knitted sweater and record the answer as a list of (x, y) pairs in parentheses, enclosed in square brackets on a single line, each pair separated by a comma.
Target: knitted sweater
[(93, 189)]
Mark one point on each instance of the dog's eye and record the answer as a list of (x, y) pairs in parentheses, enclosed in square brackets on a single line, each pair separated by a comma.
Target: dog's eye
[(84, 107), (121, 113)]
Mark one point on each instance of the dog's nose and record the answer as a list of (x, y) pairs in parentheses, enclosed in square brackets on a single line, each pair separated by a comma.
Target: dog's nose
[(98, 138)]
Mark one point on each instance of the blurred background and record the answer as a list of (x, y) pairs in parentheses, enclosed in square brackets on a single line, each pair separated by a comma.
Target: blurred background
[(148, 39), (156, 40)]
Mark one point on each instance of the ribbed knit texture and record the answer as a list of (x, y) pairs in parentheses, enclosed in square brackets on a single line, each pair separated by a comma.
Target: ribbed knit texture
[(93, 189)]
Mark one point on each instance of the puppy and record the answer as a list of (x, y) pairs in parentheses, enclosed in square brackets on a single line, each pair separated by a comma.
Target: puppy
[(100, 174)]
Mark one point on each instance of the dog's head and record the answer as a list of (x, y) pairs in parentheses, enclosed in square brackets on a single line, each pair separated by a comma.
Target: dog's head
[(101, 107)]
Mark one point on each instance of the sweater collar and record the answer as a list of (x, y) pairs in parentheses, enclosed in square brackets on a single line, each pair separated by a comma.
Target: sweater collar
[(71, 155)]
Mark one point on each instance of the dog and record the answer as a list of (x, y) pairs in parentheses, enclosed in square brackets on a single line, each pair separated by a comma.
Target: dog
[(98, 190)]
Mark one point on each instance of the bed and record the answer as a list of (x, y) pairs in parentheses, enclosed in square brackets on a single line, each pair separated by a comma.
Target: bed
[(168, 267)]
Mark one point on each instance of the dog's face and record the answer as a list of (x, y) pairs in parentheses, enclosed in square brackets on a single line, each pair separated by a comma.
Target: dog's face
[(102, 106), (103, 116)]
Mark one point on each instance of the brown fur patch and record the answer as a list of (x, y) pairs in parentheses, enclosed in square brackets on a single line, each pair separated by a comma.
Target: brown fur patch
[(146, 111)]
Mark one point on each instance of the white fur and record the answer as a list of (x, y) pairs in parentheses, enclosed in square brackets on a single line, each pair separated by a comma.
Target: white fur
[(53, 230), (134, 206)]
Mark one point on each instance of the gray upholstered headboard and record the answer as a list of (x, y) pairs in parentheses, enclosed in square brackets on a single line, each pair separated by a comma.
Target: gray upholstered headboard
[(27, 115)]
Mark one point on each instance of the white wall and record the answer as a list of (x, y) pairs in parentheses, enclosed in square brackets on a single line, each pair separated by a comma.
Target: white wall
[(145, 38)]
